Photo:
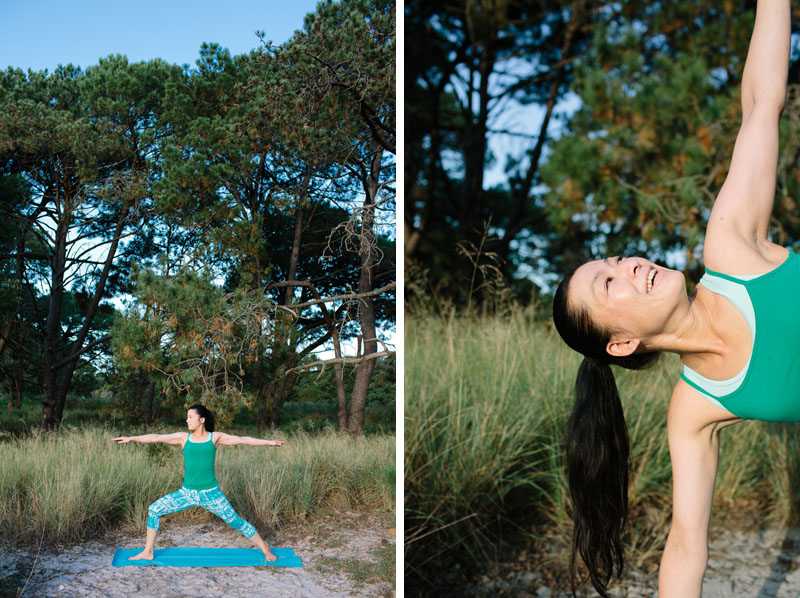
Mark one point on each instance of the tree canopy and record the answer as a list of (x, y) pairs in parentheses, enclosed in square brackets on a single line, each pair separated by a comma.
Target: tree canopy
[(638, 108), (244, 204)]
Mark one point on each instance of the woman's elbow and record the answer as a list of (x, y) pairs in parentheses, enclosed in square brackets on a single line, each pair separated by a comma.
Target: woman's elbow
[(767, 101), (691, 545)]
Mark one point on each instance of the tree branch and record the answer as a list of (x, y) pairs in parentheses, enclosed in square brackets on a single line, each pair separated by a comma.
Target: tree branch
[(325, 362), (299, 283), (80, 352)]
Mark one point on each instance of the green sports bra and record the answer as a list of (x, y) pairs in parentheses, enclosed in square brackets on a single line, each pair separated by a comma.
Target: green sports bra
[(768, 387)]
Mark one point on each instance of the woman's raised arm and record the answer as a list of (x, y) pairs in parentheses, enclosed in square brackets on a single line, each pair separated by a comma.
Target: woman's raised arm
[(176, 438), (740, 217), (230, 440)]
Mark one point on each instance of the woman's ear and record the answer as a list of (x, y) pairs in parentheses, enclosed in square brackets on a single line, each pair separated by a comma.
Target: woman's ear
[(622, 348)]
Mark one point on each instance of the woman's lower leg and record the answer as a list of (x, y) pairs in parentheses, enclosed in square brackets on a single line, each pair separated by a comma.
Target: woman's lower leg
[(149, 544), (259, 541)]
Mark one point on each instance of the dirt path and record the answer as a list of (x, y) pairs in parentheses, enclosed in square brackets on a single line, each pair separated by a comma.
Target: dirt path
[(763, 564), (338, 555)]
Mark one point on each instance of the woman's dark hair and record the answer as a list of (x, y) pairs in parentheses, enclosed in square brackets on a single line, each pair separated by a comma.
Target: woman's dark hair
[(597, 444), (205, 413)]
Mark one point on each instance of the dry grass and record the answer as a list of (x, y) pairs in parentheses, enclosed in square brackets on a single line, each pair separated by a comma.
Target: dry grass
[(486, 402), (71, 485)]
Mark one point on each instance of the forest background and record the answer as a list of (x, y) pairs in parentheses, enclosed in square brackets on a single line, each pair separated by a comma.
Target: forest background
[(539, 135), (174, 234)]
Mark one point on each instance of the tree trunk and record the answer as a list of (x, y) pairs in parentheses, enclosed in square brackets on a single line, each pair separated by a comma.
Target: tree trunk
[(521, 194), (366, 308), (18, 386), (338, 368), (9, 383), (148, 404), (341, 396), (275, 391), (5, 334), (55, 388), (50, 387), (275, 395)]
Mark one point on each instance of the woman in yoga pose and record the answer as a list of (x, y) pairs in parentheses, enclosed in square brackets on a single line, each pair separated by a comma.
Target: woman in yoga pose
[(200, 487), (738, 337)]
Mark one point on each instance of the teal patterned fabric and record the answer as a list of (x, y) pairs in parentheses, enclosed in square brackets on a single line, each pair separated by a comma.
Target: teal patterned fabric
[(212, 500)]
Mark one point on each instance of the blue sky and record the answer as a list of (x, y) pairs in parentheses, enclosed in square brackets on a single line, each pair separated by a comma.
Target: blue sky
[(40, 34)]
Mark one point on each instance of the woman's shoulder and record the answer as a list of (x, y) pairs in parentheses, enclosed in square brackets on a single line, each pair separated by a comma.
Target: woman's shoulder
[(690, 411)]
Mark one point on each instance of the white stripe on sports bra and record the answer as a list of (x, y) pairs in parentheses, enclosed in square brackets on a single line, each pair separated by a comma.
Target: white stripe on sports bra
[(737, 294)]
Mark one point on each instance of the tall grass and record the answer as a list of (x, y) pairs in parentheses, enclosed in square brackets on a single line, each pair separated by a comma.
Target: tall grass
[(486, 403), (69, 486)]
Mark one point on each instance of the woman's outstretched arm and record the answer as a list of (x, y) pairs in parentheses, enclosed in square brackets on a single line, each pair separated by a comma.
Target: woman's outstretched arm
[(176, 438), (694, 451), (230, 440), (739, 220)]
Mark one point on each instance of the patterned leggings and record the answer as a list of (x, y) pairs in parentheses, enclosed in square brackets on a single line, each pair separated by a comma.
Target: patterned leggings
[(213, 500)]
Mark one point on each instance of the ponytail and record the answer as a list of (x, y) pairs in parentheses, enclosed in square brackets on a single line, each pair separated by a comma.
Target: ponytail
[(597, 470), (206, 414), (597, 444)]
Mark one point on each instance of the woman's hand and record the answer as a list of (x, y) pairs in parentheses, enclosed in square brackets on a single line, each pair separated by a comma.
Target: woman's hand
[(122, 439), (275, 442)]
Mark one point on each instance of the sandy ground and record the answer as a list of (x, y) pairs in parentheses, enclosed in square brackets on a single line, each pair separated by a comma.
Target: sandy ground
[(323, 546), (763, 564)]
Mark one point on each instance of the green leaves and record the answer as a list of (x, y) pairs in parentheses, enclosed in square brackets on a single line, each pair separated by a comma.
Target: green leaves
[(186, 333), (646, 152)]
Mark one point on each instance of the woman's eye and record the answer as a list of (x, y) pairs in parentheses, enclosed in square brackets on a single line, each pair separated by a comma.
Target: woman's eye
[(608, 282), (619, 259)]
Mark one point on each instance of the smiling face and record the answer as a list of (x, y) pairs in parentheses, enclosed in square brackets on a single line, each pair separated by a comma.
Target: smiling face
[(633, 297), (193, 420)]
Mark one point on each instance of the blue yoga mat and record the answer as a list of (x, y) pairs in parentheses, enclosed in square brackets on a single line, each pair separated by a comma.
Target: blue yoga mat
[(208, 557)]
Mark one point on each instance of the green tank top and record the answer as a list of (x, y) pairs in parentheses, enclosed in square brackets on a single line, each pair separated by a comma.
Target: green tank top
[(198, 464), (768, 387)]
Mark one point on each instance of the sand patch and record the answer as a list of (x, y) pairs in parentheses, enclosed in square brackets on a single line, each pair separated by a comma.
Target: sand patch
[(85, 570), (757, 564)]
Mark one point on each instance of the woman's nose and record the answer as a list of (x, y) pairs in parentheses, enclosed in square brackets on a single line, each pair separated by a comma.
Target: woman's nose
[(629, 267)]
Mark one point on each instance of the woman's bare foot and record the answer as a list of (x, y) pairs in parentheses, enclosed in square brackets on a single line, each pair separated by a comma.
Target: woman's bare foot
[(270, 556), (142, 556)]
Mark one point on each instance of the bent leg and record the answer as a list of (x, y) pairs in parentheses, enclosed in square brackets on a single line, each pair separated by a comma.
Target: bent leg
[(171, 503), (216, 502)]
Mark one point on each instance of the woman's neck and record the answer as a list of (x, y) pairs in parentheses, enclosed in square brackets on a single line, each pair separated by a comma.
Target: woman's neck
[(696, 331), (200, 434), (710, 332)]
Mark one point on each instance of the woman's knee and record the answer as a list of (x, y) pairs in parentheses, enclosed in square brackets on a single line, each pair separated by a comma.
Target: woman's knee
[(237, 522)]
